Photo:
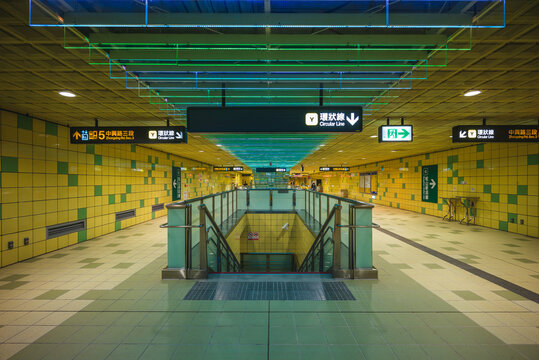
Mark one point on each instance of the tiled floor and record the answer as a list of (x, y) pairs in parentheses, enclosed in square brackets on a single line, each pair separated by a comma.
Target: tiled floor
[(104, 299)]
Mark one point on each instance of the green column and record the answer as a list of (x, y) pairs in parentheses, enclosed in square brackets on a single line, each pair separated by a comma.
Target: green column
[(176, 238), (363, 238)]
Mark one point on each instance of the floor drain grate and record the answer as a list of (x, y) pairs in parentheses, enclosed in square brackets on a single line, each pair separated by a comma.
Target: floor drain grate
[(269, 290)]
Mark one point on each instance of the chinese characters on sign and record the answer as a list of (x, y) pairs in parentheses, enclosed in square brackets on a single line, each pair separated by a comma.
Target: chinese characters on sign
[(228, 168), (334, 168), (387, 133), (429, 183), (496, 133), (128, 135), (275, 119)]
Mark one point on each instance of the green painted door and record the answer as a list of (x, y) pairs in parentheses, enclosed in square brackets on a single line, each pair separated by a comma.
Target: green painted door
[(176, 183), (429, 183)]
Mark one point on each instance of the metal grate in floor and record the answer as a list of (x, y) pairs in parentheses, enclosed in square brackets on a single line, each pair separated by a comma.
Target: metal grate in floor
[(269, 290)]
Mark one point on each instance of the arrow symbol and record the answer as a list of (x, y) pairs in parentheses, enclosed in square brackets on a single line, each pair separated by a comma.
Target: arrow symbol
[(174, 183), (432, 183), (76, 135), (178, 135), (462, 134), (352, 120), (404, 133)]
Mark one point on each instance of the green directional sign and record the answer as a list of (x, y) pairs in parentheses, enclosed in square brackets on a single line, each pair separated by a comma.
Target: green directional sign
[(429, 183), (395, 133), (176, 183)]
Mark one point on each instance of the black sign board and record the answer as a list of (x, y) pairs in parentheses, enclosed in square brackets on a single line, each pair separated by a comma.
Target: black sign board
[(128, 135), (270, 169), (334, 168), (495, 133), (271, 119), (228, 168)]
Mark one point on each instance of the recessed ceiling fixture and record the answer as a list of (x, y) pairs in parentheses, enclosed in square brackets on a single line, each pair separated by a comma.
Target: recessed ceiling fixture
[(219, 145), (200, 150), (393, 150), (339, 151), (373, 136), (67, 93), (472, 92), (322, 145)]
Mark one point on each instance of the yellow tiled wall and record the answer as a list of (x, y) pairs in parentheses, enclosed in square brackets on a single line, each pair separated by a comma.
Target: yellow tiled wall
[(504, 176), (45, 180), (273, 238)]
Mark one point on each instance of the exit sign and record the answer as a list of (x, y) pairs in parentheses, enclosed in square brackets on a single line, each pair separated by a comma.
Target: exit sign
[(395, 133)]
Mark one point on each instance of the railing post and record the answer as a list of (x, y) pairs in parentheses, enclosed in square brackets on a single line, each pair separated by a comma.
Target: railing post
[(222, 210), (321, 265), (337, 242), (270, 198), (203, 245)]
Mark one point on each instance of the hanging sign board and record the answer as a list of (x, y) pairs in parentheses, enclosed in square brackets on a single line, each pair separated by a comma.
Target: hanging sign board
[(429, 183), (228, 168), (270, 170), (176, 183), (395, 133), (128, 135), (334, 168), (275, 119), (495, 133)]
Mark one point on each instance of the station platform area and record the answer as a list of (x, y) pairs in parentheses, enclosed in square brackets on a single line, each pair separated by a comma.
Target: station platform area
[(104, 299)]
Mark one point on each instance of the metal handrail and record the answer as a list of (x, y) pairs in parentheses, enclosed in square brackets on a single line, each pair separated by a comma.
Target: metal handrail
[(373, 226), (221, 238), (165, 225), (319, 237), (183, 203)]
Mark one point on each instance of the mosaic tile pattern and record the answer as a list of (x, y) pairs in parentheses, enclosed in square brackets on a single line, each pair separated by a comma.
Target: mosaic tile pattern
[(412, 311), (505, 177), (46, 181)]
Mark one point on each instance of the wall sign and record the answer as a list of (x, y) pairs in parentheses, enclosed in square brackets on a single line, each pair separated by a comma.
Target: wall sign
[(176, 183), (275, 119), (252, 236), (270, 169), (228, 168), (496, 133), (429, 183), (128, 135), (334, 168), (395, 133)]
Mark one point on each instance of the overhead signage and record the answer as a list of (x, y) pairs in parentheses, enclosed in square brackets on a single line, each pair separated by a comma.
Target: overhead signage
[(495, 133), (429, 183), (270, 169), (198, 168), (128, 135), (395, 133), (272, 119), (334, 168), (176, 183), (228, 168)]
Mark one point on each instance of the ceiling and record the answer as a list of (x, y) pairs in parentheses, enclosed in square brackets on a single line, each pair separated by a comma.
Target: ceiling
[(417, 73)]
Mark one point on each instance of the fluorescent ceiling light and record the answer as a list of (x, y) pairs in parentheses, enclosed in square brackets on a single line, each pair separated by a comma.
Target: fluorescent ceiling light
[(472, 93), (200, 150), (219, 145), (340, 151), (373, 136), (67, 93)]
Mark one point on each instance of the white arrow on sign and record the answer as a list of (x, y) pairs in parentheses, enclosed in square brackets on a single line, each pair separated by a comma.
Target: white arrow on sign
[(179, 135), (174, 183), (352, 120), (432, 183), (462, 134)]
